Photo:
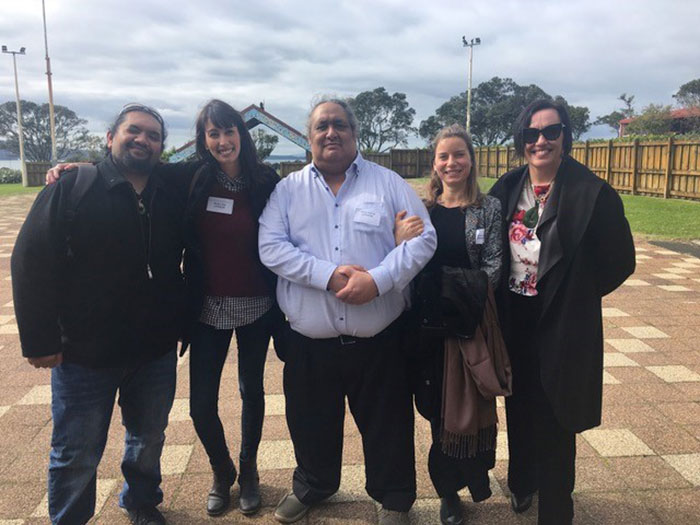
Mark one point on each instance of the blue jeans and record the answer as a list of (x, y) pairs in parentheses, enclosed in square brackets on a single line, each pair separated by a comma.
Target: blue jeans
[(207, 357), (81, 405)]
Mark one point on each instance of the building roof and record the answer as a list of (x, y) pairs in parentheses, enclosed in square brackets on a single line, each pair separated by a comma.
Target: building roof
[(253, 115), (675, 113)]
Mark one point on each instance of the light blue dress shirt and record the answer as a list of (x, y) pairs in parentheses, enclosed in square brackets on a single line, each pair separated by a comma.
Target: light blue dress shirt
[(306, 232)]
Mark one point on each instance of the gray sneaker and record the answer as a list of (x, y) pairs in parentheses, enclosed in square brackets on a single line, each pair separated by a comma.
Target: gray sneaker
[(393, 517), (290, 509)]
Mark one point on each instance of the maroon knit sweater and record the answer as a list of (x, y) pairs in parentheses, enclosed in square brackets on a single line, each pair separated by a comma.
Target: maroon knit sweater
[(230, 248)]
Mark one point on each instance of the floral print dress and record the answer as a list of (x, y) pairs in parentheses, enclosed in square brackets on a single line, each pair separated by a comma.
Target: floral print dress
[(524, 244)]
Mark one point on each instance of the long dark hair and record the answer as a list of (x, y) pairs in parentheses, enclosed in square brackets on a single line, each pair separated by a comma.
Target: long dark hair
[(223, 116)]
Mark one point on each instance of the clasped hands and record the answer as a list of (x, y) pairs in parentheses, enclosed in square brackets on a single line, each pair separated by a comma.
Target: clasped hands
[(352, 284)]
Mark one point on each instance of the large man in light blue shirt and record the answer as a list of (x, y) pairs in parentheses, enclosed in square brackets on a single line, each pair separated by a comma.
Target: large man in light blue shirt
[(327, 232)]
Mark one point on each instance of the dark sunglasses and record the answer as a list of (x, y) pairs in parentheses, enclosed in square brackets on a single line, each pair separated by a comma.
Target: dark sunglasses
[(530, 135)]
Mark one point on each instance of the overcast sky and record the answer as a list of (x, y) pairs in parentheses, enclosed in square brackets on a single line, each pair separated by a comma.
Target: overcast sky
[(176, 54)]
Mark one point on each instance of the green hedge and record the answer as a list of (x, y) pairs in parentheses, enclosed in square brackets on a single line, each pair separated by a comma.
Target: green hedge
[(10, 176)]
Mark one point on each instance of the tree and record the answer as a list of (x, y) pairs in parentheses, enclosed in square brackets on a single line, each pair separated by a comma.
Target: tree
[(264, 143), (451, 112), (495, 106), (580, 117), (167, 153), (384, 120), (93, 150), (655, 119), (72, 137), (688, 94), (613, 119)]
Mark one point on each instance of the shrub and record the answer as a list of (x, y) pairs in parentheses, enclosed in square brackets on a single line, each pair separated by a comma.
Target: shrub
[(10, 176)]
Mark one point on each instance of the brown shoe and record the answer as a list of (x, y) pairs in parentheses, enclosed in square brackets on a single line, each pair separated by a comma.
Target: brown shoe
[(290, 509)]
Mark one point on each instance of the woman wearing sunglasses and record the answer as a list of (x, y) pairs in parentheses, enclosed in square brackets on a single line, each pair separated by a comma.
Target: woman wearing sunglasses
[(567, 245)]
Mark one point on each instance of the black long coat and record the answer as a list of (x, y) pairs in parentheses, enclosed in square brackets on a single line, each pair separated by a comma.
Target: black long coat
[(587, 251)]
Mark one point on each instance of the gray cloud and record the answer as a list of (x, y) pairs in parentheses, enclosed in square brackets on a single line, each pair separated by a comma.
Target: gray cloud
[(177, 55)]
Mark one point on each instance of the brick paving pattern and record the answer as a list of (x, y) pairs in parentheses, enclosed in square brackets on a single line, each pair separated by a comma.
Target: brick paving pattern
[(641, 466)]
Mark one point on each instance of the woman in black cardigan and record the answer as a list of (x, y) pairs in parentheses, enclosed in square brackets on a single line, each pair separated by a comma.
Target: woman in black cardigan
[(228, 290), (569, 244)]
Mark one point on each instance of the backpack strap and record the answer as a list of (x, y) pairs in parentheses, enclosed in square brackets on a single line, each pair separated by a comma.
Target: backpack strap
[(87, 174)]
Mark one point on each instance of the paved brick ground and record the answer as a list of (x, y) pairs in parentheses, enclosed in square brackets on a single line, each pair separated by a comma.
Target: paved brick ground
[(641, 466)]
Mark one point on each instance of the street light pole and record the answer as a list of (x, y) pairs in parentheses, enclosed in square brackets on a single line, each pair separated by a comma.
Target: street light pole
[(470, 45), (52, 121), (14, 54)]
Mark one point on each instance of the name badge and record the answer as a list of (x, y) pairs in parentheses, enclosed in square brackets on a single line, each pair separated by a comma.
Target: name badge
[(479, 236), (368, 216), (220, 205)]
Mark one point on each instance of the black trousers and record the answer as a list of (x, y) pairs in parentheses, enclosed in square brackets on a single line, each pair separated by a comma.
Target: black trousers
[(371, 372), (448, 474), (542, 454), (207, 357)]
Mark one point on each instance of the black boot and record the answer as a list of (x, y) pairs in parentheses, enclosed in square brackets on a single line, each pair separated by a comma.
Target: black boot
[(520, 504), (250, 487), (451, 510), (219, 497)]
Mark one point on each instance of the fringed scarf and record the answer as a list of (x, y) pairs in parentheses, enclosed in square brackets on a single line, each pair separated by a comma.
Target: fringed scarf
[(476, 371)]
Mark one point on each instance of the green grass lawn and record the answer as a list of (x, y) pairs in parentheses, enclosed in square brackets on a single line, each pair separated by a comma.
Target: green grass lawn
[(663, 218), (657, 218), (17, 189)]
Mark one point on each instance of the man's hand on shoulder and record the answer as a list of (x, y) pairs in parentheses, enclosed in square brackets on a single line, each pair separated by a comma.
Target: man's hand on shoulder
[(360, 289), (47, 361), (54, 173)]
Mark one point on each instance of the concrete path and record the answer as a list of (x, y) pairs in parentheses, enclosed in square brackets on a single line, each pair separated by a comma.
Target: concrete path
[(642, 466)]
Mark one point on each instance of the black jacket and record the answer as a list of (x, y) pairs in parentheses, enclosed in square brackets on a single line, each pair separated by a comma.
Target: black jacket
[(198, 178), (98, 306), (587, 251)]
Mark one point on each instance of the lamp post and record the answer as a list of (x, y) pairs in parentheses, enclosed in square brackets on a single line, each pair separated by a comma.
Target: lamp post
[(14, 54), (470, 44), (52, 120)]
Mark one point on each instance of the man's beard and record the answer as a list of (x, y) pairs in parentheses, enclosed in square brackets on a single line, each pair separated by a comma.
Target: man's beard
[(130, 164)]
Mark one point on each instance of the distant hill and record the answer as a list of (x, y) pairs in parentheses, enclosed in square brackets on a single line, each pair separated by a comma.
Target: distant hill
[(6, 155), (273, 159)]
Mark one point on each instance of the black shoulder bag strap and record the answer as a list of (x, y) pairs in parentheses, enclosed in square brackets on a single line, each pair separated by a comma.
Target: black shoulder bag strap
[(87, 174)]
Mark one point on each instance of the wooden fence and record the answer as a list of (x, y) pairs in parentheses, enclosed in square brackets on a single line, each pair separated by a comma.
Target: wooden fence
[(668, 169), (409, 163), (36, 172)]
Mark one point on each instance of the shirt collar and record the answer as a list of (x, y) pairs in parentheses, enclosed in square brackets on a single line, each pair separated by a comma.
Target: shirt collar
[(113, 177), (354, 168), (236, 185)]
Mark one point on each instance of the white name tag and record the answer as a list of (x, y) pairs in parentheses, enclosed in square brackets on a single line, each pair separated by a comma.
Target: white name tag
[(220, 205), (479, 236), (369, 216)]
